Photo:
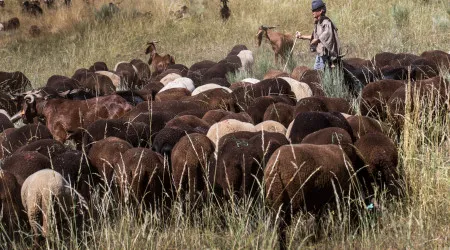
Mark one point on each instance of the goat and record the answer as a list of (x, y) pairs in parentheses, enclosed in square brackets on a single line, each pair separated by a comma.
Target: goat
[(158, 63), (2, 3), (281, 43), (65, 117), (225, 12)]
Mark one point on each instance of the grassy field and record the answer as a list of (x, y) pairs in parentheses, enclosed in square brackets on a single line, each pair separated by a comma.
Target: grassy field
[(77, 37)]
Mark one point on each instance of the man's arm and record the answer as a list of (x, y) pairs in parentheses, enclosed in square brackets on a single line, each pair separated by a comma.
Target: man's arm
[(302, 37)]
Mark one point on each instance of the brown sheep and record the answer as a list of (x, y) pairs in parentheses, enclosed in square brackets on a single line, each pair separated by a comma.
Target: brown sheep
[(16, 138), (280, 112), (47, 147), (24, 164), (14, 82), (13, 214), (362, 125), (308, 122), (11, 24), (241, 158), (323, 104), (274, 73), (5, 122), (440, 58), (217, 115), (105, 154), (142, 177), (281, 43), (375, 95), (380, 155), (190, 164), (304, 177), (158, 63), (298, 72), (172, 94)]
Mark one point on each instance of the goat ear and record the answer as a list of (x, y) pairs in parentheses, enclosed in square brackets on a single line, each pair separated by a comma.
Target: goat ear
[(171, 59)]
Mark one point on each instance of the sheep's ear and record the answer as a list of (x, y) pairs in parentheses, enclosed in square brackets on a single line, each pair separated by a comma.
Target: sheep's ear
[(148, 50)]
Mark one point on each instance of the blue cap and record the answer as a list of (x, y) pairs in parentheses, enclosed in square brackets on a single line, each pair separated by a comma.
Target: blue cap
[(317, 4)]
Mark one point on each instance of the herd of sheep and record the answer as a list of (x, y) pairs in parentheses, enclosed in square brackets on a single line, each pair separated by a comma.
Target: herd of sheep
[(160, 130)]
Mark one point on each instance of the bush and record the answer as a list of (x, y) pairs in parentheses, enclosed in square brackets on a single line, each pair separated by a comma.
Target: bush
[(106, 12)]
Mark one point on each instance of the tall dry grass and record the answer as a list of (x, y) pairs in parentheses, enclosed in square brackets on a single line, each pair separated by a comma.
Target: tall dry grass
[(74, 38)]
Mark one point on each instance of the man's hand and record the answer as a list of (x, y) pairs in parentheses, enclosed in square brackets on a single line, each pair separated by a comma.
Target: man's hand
[(298, 35), (315, 41)]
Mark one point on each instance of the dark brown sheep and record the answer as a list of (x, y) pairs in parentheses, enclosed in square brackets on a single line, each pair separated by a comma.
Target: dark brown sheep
[(228, 65), (75, 169), (136, 133), (217, 115), (32, 8), (24, 164), (128, 75), (143, 69), (22, 136), (98, 66), (241, 158), (143, 178), (440, 58), (98, 84), (375, 95), (9, 104), (323, 104), (105, 154), (47, 147), (304, 177), (13, 214), (62, 83), (259, 105), (280, 112), (314, 81), (189, 162), (332, 135), (183, 69), (308, 122), (362, 125), (379, 154), (158, 63)]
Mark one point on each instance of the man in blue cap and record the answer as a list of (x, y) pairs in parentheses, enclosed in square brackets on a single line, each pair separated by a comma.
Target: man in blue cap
[(324, 39)]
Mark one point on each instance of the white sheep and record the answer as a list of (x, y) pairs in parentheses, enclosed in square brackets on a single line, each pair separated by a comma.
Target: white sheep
[(209, 86), (182, 82), (247, 60), (169, 78), (114, 77), (300, 89), (271, 126), (40, 192), (219, 129), (251, 80)]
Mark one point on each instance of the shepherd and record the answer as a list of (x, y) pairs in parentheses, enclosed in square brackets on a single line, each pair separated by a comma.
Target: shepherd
[(324, 40)]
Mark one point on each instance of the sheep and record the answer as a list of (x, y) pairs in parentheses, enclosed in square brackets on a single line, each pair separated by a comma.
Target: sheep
[(2, 4), (216, 115), (274, 73), (309, 122), (182, 82), (98, 66), (241, 158), (304, 177), (225, 12), (32, 7), (5, 122), (169, 78), (300, 89), (24, 164), (374, 97), (158, 63), (380, 155), (208, 86), (47, 194), (105, 154), (13, 214), (128, 74), (258, 107), (143, 69), (47, 147), (250, 80), (218, 130), (189, 160), (280, 112), (172, 94), (281, 43), (115, 79), (247, 60), (142, 177), (271, 126), (61, 83), (323, 104), (362, 125), (298, 72), (22, 136)]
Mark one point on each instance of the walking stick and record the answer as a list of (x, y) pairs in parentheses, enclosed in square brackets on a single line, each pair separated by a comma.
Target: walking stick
[(290, 53)]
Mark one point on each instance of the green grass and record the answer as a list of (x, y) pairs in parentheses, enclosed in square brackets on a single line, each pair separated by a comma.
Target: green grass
[(74, 38)]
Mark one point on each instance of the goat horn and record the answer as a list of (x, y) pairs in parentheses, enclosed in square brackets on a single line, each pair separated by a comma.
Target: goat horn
[(29, 98), (271, 27), (16, 117)]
